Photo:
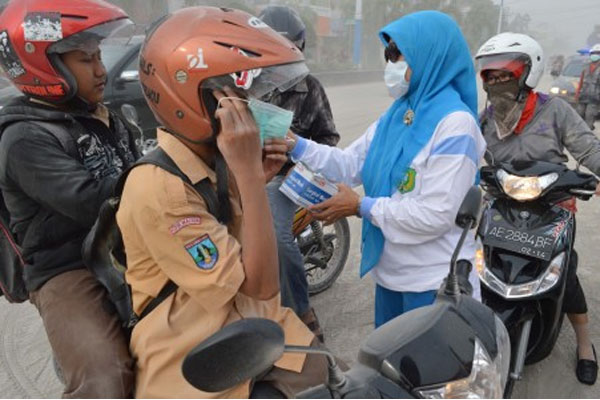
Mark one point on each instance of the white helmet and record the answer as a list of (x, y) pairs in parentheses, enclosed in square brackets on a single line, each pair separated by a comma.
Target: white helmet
[(595, 48), (513, 52)]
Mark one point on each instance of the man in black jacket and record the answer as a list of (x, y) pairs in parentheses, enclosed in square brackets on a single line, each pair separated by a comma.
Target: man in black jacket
[(313, 120), (61, 152)]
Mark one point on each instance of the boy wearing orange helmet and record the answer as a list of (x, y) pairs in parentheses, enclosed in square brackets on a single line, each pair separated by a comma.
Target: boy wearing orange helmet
[(195, 66), (61, 152)]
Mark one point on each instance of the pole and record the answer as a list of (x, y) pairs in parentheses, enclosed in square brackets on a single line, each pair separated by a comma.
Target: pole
[(357, 34), (500, 16)]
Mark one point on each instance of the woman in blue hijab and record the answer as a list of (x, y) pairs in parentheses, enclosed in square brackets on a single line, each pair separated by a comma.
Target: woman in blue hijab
[(416, 163)]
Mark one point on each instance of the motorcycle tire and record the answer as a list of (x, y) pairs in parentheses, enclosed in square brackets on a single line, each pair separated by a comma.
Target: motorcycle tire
[(510, 385), (320, 279), (545, 352)]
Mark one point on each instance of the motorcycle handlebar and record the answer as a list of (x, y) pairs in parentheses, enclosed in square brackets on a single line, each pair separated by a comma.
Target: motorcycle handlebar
[(582, 193)]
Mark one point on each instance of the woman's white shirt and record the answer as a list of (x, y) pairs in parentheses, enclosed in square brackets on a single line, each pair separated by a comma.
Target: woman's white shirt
[(417, 221)]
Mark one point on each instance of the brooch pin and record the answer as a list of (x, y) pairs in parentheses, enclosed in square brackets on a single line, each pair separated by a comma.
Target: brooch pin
[(409, 116)]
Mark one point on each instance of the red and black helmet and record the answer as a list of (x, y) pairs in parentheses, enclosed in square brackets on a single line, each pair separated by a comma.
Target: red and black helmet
[(34, 33)]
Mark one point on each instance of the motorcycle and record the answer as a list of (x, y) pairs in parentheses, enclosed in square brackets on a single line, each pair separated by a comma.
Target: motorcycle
[(324, 248), (456, 347), (525, 249)]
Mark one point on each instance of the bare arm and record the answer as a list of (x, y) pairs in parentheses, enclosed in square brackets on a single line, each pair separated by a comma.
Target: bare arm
[(239, 142)]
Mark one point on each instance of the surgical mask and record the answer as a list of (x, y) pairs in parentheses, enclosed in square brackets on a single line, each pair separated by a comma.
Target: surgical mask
[(507, 110), (272, 121), (394, 78), (595, 57)]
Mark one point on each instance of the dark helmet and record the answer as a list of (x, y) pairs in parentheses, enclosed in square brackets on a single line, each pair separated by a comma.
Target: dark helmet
[(287, 22)]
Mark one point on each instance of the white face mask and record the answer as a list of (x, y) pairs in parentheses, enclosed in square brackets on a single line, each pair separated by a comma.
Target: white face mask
[(394, 78)]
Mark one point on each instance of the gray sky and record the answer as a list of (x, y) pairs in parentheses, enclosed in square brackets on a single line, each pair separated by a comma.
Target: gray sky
[(562, 26)]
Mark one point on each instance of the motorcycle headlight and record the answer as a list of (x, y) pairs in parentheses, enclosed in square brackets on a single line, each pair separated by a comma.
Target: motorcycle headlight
[(546, 282), (525, 188), (488, 376), (554, 90)]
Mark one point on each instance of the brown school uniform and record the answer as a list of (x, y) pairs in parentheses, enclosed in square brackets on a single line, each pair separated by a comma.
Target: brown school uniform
[(169, 234)]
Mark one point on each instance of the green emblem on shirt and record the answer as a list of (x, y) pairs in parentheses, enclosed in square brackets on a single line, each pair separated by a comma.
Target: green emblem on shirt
[(408, 184)]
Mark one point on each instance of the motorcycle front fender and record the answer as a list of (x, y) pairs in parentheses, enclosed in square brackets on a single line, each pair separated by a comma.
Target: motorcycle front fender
[(512, 313)]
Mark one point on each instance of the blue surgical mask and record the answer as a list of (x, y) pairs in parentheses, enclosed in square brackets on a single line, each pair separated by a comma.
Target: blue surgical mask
[(394, 78), (595, 57), (272, 121)]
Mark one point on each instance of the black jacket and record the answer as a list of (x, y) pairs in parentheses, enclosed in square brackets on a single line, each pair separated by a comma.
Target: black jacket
[(54, 194), (312, 113)]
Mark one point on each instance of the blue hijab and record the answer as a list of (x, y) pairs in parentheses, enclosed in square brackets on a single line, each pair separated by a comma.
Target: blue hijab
[(442, 82)]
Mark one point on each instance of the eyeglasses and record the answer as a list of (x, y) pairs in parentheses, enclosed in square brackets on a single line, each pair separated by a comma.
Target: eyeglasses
[(501, 77), (392, 53)]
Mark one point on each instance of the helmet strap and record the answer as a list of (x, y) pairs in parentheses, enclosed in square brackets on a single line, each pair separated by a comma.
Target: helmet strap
[(66, 74), (523, 88)]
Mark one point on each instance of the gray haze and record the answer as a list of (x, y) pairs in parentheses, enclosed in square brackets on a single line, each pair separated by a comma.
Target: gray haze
[(562, 26)]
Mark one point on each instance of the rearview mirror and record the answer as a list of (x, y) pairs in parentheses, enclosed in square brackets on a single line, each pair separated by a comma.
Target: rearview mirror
[(130, 114), (469, 209), (238, 352), (129, 76)]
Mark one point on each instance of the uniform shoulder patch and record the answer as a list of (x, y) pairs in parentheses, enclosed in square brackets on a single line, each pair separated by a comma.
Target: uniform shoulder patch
[(204, 252), (408, 184)]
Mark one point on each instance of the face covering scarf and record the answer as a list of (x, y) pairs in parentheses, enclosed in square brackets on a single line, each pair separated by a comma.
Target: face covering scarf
[(507, 110), (272, 121)]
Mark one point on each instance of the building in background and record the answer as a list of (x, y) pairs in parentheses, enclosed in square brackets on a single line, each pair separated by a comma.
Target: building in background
[(331, 23)]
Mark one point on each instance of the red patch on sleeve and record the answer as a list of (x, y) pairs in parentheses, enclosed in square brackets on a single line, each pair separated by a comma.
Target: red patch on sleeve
[(179, 225)]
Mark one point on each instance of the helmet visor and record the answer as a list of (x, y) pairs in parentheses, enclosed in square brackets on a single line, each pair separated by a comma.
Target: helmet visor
[(261, 81), (119, 31), (514, 63)]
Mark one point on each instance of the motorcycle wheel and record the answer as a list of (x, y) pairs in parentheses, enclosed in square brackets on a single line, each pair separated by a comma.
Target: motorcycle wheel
[(545, 352), (323, 266)]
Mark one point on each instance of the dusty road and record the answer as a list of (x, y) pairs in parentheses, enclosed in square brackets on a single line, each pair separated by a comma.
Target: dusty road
[(345, 310)]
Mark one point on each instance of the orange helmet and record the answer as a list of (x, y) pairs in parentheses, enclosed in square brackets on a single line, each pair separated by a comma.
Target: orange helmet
[(195, 50), (33, 34)]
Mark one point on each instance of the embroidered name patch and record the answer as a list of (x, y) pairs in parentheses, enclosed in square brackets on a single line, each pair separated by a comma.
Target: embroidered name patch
[(179, 225), (204, 252)]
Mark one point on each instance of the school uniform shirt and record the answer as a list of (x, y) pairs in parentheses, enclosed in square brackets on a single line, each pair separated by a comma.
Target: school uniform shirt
[(169, 234), (417, 221)]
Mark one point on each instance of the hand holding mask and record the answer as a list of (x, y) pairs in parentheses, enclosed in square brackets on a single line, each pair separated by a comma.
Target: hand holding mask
[(273, 122)]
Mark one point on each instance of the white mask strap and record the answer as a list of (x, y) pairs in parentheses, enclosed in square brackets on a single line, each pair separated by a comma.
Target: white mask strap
[(230, 98)]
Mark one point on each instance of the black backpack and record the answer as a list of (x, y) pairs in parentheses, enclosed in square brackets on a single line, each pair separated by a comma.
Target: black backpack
[(12, 285), (103, 250), (12, 263)]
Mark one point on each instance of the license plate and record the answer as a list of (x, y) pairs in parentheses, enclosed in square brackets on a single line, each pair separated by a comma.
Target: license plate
[(534, 243)]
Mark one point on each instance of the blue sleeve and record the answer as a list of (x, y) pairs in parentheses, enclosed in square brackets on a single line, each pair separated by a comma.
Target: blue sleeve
[(299, 149)]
